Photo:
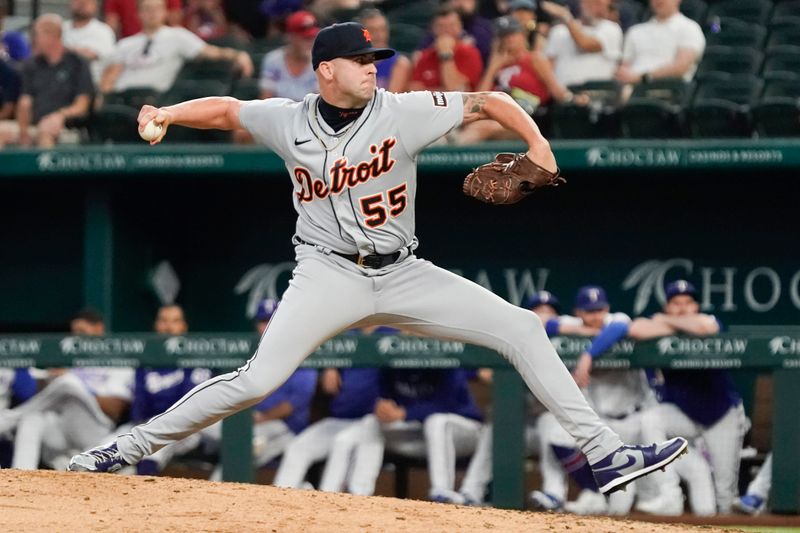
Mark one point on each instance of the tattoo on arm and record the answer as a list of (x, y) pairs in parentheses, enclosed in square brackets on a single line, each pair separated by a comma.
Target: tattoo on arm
[(473, 106)]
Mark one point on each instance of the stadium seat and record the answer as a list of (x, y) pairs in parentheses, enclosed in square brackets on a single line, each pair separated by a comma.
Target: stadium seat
[(655, 109), (731, 60), (208, 69), (737, 33), (785, 58), (246, 89), (572, 121), (405, 37), (417, 13), (785, 35), (756, 11), (722, 107), (115, 123), (694, 9), (189, 89), (134, 97), (262, 46), (789, 8), (778, 112), (784, 21)]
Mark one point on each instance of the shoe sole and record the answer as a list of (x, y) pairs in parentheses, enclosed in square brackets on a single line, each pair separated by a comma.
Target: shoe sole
[(621, 482)]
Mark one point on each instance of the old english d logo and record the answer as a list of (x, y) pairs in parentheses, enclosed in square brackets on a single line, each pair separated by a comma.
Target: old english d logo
[(367, 36)]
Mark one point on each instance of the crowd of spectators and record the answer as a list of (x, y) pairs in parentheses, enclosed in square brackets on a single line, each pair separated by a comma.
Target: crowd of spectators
[(352, 422), (572, 64)]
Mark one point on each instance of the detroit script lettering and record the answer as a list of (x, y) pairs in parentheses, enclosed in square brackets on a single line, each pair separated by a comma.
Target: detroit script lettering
[(346, 176)]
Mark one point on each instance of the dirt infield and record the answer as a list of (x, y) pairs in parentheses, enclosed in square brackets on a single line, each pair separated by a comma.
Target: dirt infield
[(62, 501)]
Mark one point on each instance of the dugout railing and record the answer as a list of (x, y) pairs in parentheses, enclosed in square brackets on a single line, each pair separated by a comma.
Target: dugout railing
[(776, 350)]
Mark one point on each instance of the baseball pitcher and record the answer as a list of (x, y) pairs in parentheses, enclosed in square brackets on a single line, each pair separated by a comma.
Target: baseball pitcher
[(351, 154)]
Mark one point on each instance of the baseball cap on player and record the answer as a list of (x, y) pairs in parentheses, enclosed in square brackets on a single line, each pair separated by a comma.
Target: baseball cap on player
[(347, 39), (303, 24), (266, 309), (678, 287), (542, 298), (591, 298)]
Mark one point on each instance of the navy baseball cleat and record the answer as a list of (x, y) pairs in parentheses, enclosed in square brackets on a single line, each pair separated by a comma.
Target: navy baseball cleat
[(104, 458), (628, 463)]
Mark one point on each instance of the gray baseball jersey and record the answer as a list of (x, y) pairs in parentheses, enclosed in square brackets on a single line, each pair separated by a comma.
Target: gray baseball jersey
[(354, 193), (354, 189)]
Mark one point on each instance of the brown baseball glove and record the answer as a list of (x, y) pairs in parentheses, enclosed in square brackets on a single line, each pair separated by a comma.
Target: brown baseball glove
[(508, 179)]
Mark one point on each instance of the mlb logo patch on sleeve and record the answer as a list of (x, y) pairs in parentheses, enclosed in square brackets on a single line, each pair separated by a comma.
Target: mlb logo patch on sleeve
[(439, 99)]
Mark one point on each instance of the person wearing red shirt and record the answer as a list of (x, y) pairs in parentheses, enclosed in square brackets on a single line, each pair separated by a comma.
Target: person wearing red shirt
[(523, 73), (450, 64), (123, 16)]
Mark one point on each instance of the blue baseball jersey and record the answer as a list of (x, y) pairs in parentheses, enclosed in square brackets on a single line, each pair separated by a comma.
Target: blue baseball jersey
[(424, 392), (357, 394), (705, 396), (298, 391), (16, 386), (156, 390)]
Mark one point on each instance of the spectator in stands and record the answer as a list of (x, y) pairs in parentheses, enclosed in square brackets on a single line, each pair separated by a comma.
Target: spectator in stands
[(287, 72), (206, 19), (76, 409), (393, 73), (56, 87), (12, 43), (584, 49), (476, 29), (450, 63), (124, 16), (9, 89), (524, 74), (154, 57), (526, 13), (669, 45), (88, 37), (694, 403)]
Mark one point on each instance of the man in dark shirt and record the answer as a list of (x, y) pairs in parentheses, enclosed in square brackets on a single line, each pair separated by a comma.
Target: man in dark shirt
[(56, 87), (9, 89)]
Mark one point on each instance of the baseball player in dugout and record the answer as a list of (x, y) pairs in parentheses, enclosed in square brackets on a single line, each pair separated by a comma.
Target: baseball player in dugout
[(351, 153)]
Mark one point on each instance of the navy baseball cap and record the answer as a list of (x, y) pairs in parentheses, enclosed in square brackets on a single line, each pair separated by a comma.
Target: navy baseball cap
[(678, 287), (591, 298), (266, 309), (347, 39), (542, 298)]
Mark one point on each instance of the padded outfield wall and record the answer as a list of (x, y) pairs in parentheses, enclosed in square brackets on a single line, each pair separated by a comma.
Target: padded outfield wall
[(90, 225)]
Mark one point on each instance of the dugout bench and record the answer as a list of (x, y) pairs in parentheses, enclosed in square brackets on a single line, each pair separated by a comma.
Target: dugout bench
[(775, 349)]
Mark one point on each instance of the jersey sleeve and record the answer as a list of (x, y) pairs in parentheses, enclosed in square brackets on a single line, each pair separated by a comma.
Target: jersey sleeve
[(269, 121), (424, 116)]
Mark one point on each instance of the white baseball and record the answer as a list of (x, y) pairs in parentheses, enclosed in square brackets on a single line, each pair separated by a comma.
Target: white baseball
[(150, 131)]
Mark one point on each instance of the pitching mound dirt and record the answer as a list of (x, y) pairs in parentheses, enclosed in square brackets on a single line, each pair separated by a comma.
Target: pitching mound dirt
[(62, 501)]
